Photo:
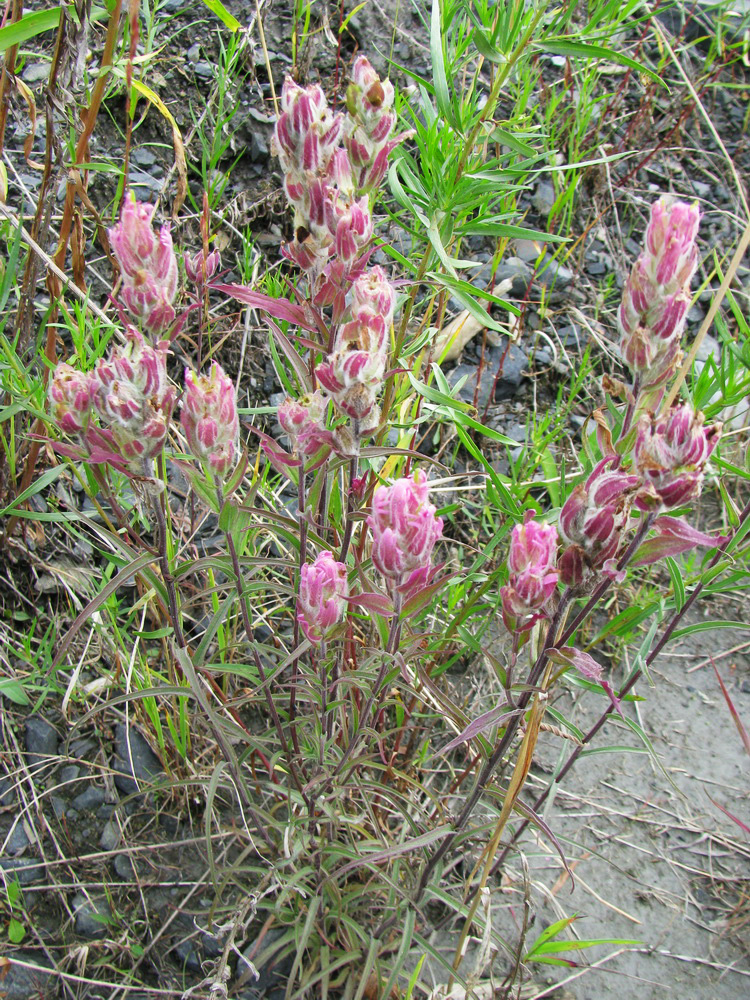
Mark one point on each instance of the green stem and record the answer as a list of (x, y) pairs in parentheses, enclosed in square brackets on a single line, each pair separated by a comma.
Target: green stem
[(247, 625), (391, 647), (296, 627), (226, 749)]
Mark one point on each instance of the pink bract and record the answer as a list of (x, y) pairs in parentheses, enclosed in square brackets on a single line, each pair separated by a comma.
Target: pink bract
[(209, 418), (671, 452), (404, 528), (323, 589)]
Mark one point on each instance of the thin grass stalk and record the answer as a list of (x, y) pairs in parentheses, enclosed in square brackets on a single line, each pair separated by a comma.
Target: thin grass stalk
[(552, 638), (9, 66), (349, 526), (186, 661), (390, 649), (248, 628), (296, 626)]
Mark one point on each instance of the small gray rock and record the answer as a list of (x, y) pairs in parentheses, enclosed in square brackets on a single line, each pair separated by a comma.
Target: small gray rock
[(124, 867), (91, 915), (194, 53), (90, 798), (69, 773), (552, 272), (21, 983), (7, 798), (544, 198), (110, 837), (695, 314), (469, 391), (143, 179), (41, 739), (204, 70), (35, 72), (134, 760), (18, 840), (514, 364), (26, 870), (258, 147), (143, 157)]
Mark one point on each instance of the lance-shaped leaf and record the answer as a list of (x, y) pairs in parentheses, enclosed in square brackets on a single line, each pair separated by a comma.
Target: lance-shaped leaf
[(568, 656), (279, 308), (378, 603), (674, 536), (495, 717)]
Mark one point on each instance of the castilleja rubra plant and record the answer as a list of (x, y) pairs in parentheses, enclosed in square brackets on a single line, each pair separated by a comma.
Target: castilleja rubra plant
[(328, 564)]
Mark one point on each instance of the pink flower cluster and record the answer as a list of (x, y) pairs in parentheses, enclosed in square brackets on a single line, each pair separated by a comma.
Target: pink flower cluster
[(304, 421), (352, 374), (209, 419), (404, 532), (328, 183), (593, 520), (200, 267), (148, 265), (119, 412), (656, 297), (369, 101), (323, 589), (533, 577), (671, 452)]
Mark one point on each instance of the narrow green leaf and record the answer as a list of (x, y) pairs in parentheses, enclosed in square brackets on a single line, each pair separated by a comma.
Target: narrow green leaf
[(442, 94), (36, 487), (486, 49), (487, 227), (218, 8), (13, 691), (29, 26), (678, 585), (584, 50), (708, 627)]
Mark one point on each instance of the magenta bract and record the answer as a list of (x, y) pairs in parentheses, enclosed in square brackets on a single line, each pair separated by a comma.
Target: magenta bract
[(670, 453), (323, 590), (304, 421), (209, 418), (70, 394), (148, 264), (592, 520), (533, 576), (404, 530), (656, 296)]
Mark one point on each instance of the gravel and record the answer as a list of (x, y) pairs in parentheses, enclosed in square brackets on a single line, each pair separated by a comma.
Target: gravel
[(26, 871), (92, 915), (42, 740), (135, 762), (21, 983)]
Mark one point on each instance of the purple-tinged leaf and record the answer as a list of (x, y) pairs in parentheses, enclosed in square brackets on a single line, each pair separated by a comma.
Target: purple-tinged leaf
[(528, 813), (732, 709), (292, 357), (674, 537), (734, 819), (278, 308), (394, 852), (569, 656), (495, 717), (421, 599), (281, 460), (378, 603)]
